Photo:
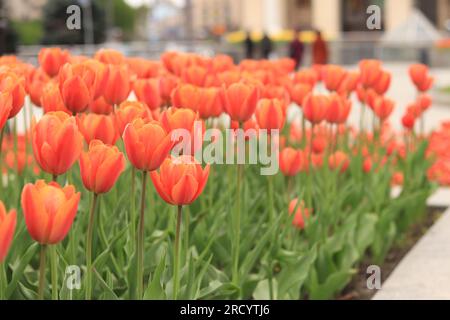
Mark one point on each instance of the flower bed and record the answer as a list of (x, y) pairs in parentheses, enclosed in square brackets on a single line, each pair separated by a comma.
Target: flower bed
[(103, 211)]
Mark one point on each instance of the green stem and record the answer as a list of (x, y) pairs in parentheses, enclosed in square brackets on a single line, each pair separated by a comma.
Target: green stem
[(237, 226), (43, 261), (3, 281), (310, 168), (90, 233), (54, 272), (140, 244), (133, 206), (176, 256)]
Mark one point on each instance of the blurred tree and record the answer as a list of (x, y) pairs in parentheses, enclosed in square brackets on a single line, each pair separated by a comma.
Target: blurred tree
[(29, 32), (123, 16), (55, 18)]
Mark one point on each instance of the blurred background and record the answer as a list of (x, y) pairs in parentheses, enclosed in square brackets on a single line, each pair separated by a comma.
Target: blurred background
[(407, 29)]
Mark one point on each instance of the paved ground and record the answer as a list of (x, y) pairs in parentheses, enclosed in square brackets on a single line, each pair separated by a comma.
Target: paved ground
[(424, 273)]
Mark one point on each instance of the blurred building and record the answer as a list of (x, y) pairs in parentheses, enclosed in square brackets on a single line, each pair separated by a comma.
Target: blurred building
[(24, 9), (334, 17)]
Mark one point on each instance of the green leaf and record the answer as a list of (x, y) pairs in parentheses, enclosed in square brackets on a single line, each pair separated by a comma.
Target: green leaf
[(155, 291), (18, 270)]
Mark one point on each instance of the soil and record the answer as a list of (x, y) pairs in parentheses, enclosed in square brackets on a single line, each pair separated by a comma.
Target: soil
[(357, 289)]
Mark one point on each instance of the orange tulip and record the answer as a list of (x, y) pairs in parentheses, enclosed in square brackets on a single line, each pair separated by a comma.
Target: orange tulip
[(186, 96), (209, 103), (35, 83), (419, 76), (349, 83), (167, 84), (51, 99), (49, 210), (370, 72), (98, 126), (315, 107), (383, 82), (76, 86), (148, 92), (338, 110), (424, 102), (181, 118), (118, 87), (52, 59), (270, 114), (338, 161), (180, 180), (306, 76), (383, 108), (101, 166), (333, 76), (408, 121), (239, 101), (301, 213), (146, 153), (110, 56), (299, 91), (195, 75), (7, 227), (129, 111), (5, 107), (100, 106), (56, 141), (15, 85), (292, 161)]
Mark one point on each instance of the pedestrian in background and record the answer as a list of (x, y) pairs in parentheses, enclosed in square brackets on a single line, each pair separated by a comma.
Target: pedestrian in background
[(296, 49), (266, 46), (320, 50), (249, 46)]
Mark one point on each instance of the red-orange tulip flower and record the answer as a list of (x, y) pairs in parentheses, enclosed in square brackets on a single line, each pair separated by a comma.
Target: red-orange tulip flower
[(101, 166), (110, 56), (186, 96), (209, 103), (5, 107), (338, 160), (424, 102), (299, 91), (270, 114), (129, 111), (49, 210), (301, 213), (98, 126), (419, 76), (292, 161), (148, 92), (7, 227), (306, 76), (100, 106), (349, 83), (180, 180), (168, 82), (56, 141), (35, 82), (383, 82), (338, 110), (239, 101), (367, 165), (51, 99), (118, 86), (315, 107), (383, 108), (52, 59), (15, 85), (195, 75), (408, 121), (147, 144), (333, 76), (370, 71), (76, 86)]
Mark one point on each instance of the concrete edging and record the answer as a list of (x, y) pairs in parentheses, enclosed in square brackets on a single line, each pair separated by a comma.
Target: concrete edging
[(424, 273)]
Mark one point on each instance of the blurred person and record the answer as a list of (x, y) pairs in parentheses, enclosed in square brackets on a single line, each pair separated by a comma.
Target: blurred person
[(296, 49), (266, 46), (320, 50), (249, 46)]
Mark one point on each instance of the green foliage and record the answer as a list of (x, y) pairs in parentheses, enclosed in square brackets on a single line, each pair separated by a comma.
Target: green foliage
[(29, 32)]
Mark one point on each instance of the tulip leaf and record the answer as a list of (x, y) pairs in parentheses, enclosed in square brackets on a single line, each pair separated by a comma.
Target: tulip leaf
[(155, 291)]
